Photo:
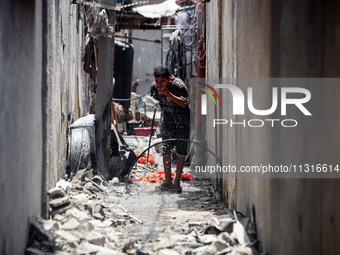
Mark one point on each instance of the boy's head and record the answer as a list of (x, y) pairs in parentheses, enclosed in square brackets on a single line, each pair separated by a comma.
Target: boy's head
[(161, 71)]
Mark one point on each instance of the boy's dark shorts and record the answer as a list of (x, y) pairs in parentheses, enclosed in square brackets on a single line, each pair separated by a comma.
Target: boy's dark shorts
[(175, 131)]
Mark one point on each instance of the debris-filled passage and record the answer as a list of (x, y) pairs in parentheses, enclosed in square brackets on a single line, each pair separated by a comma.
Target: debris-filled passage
[(89, 215)]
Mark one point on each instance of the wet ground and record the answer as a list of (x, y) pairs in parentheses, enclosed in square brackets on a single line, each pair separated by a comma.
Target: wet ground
[(159, 210)]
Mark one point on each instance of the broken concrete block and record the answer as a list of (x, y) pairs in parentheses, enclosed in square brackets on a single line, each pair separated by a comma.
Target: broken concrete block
[(56, 192), (80, 201), (59, 201), (238, 250), (207, 239), (229, 250), (51, 225), (95, 238), (38, 232), (61, 209), (114, 181), (60, 218), (227, 238), (114, 238), (196, 224), (163, 244), (101, 224), (240, 232), (34, 251), (168, 252), (65, 185), (86, 172), (79, 215), (205, 250), (182, 238), (88, 227), (71, 224), (66, 236), (98, 250), (220, 245)]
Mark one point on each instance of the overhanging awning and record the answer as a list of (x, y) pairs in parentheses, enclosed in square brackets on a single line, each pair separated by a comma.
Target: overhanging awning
[(166, 8), (147, 16)]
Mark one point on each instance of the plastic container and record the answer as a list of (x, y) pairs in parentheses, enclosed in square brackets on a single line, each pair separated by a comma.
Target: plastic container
[(144, 131)]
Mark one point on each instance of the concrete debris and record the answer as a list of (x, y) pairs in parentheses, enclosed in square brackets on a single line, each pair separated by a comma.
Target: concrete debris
[(163, 244), (71, 224), (65, 185), (59, 201), (95, 238), (80, 201), (81, 174), (205, 250), (240, 232), (39, 233), (207, 239), (95, 222), (168, 252)]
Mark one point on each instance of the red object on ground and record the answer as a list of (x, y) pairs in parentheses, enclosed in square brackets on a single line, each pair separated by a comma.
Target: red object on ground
[(142, 160), (144, 131), (187, 176), (159, 177)]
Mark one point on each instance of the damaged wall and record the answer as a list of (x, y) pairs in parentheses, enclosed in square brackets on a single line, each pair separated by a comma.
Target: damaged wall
[(20, 121), (41, 89), (259, 39), (65, 90)]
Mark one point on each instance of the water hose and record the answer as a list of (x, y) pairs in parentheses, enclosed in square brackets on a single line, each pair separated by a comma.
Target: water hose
[(128, 99), (163, 141), (148, 151)]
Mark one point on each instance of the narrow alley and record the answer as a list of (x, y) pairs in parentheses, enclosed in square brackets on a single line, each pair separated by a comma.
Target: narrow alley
[(169, 127)]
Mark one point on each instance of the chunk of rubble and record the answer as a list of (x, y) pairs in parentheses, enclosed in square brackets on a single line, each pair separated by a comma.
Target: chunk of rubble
[(65, 185), (240, 232), (88, 248), (207, 239), (101, 224), (205, 250), (66, 236), (86, 172), (168, 252), (96, 238), (79, 201), (79, 215), (71, 224), (164, 243), (51, 225), (220, 245), (59, 202), (239, 250), (41, 241)]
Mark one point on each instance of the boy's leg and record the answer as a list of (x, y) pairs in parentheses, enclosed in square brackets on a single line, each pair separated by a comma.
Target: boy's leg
[(179, 170), (167, 169)]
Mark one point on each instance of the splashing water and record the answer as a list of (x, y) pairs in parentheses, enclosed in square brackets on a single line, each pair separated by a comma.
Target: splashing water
[(150, 101)]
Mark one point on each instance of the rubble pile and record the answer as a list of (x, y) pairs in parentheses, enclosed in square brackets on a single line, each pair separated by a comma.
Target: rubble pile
[(87, 217), (223, 234)]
